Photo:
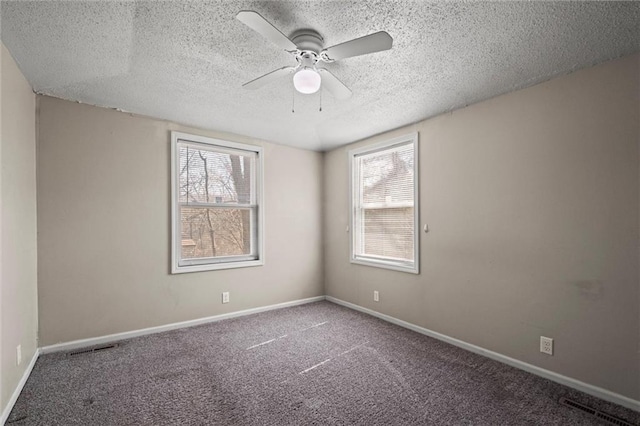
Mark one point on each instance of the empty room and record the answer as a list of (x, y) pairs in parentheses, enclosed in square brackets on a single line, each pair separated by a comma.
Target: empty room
[(319, 212)]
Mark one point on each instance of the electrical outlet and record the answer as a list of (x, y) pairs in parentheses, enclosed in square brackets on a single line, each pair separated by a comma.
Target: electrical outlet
[(18, 355), (376, 296), (225, 297), (546, 345)]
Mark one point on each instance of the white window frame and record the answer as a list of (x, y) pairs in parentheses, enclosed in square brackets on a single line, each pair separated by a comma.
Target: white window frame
[(211, 264), (404, 266)]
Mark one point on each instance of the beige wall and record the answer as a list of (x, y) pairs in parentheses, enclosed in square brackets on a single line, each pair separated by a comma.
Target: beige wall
[(18, 281), (104, 227), (533, 208)]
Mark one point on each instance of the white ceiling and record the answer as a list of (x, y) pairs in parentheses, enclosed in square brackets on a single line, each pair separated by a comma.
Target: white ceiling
[(186, 61)]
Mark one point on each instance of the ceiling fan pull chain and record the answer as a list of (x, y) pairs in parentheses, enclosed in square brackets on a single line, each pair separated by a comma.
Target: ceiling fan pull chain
[(320, 99), (293, 101)]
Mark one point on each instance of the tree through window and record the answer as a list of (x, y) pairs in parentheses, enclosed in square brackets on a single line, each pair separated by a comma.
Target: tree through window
[(216, 207)]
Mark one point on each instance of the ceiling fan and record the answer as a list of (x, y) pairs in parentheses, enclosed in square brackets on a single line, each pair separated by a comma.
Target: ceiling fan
[(307, 48)]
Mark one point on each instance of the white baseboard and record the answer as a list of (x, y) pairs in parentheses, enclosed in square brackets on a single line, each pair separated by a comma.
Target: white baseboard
[(555, 377), (83, 343), (16, 392)]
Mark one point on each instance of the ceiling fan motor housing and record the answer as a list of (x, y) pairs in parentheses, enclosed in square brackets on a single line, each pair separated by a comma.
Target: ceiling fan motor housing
[(308, 40)]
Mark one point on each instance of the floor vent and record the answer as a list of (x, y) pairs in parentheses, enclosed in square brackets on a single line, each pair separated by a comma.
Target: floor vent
[(599, 414), (94, 349)]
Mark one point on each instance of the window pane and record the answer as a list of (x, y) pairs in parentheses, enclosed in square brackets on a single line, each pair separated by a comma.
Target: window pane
[(216, 196), (215, 176), (214, 232), (384, 208), (386, 177), (389, 233)]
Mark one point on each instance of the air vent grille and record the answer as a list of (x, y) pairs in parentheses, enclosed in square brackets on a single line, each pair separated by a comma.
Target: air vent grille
[(94, 349), (613, 420)]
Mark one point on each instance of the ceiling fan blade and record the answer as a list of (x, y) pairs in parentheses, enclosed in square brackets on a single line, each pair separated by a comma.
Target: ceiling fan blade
[(333, 85), (371, 43), (268, 78), (256, 22)]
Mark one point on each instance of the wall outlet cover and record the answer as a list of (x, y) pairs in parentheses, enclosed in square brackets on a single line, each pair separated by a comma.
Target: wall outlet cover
[(546, 345)]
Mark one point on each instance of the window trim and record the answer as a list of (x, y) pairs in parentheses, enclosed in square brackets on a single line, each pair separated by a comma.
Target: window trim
[(413, 267), (202, 265)]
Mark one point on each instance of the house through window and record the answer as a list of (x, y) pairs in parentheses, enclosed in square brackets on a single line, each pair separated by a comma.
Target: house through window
[(216, 204), (384, 188)]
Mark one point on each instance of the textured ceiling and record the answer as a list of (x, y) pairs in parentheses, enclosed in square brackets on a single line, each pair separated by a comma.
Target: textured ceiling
[(186, 61)]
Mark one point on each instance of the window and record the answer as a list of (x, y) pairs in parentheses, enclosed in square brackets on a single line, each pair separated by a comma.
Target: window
[(216, 204), (384, 204)]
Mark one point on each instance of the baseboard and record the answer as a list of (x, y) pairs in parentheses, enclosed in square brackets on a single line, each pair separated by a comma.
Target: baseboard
[(555, 377), (18, 389), (83, 343)]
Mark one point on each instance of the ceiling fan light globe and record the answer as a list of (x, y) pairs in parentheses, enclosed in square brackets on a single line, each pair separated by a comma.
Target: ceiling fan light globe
[(307, 81)]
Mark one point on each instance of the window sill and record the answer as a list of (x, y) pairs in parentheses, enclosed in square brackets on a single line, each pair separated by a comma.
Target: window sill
[(413, 269), (215, 266)]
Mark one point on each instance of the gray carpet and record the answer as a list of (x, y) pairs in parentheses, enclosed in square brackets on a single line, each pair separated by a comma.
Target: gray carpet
[(313, 364)]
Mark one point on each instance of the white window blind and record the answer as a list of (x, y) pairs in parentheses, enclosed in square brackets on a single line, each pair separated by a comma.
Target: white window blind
[(216, 204), (384, 192)]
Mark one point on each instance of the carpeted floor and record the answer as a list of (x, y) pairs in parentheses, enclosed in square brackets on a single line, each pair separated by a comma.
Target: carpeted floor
[(313, 364)]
